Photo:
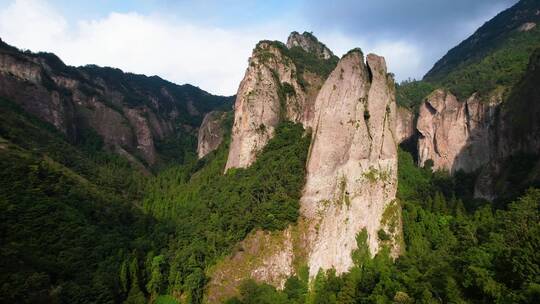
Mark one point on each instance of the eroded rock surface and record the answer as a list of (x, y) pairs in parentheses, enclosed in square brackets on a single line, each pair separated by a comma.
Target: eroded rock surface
[(210, 133), (309, 43), (352, 167), (131, 113), (405, 128), (269, 92), (457, 135), (351, 177)]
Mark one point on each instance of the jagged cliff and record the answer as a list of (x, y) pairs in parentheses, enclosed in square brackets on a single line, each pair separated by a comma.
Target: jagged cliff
[(352, 167), (211, 132), (481, 120), (454, 134), (132, 114), (351, 177), (273, 88), (309, 43)]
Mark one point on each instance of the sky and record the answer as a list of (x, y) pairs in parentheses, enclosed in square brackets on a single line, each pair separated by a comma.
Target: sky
[(207, 43)]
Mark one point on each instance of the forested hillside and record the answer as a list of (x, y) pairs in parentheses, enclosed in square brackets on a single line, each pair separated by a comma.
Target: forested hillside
[(81, 225), (68, 216), (458, 250), (103, 198), (493, 58)]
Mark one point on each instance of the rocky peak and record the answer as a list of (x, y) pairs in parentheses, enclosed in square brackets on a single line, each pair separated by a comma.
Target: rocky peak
[(309, 43), (352, 168), (273, 89), (351, 175)]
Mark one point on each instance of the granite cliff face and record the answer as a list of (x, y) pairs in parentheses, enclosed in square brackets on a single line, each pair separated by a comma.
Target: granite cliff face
[(405, 128), (484, 134), (457, 135), (351, 176), (211, 132), (273, 88), (518, 140), (131, 113), (352, 168), (309, 43)]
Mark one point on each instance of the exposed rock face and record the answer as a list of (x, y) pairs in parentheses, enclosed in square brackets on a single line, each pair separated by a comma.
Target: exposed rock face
[(404, 124), (270, 91), (352, 167), (131, 113), (351, 177), (309, 43), (527, 26), (457, 135), (210, 133)]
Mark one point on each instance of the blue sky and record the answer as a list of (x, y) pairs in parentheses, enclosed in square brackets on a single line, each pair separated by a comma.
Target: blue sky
[(207, 42)]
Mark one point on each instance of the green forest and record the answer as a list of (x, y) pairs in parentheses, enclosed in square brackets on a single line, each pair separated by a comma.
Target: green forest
[(458, 250), (85, 224)]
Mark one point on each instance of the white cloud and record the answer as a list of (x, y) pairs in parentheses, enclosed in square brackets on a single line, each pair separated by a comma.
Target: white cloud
[(177, 50), (403, 58), (214, 59)]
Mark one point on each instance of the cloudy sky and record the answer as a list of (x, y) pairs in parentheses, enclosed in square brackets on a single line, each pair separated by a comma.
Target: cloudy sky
[(207, 42)]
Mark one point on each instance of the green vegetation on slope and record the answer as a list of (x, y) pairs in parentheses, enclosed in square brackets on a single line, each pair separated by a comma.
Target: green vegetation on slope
[(67, 217), (304, 61), (457, 251), (213, 211), (493, 58), (74, 230), (411, 93)]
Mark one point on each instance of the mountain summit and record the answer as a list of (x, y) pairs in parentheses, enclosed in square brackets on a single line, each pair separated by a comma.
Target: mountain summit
[(309, 43)]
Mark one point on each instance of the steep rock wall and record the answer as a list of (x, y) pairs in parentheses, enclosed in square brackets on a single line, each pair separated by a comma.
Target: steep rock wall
[(350, 184), (352, 166), (270, 91), (210, 133), (131, 113), (457, 135), (405, 128)]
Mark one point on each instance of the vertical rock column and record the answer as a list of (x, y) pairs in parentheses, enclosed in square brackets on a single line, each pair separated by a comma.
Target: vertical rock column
[(352, 166)]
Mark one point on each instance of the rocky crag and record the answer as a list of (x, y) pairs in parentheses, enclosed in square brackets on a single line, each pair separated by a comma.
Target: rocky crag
[(453, 134), (481, 119), (351, 177), (133, 115), (273, 88), (211, 132)]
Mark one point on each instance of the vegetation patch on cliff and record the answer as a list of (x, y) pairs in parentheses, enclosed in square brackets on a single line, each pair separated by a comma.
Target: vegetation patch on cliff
[(205, 205)]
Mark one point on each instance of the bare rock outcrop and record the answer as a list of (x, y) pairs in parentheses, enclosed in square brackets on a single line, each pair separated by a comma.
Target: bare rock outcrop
[(350, 185), (210, 133), (310, 44), (269, 92), (457, 135), (131, 113), (352, 167)]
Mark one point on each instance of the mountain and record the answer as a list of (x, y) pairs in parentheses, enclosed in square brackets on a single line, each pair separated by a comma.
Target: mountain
[(478, 132), (494, 56), (147, 119), (318, 188), (351, 173)]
